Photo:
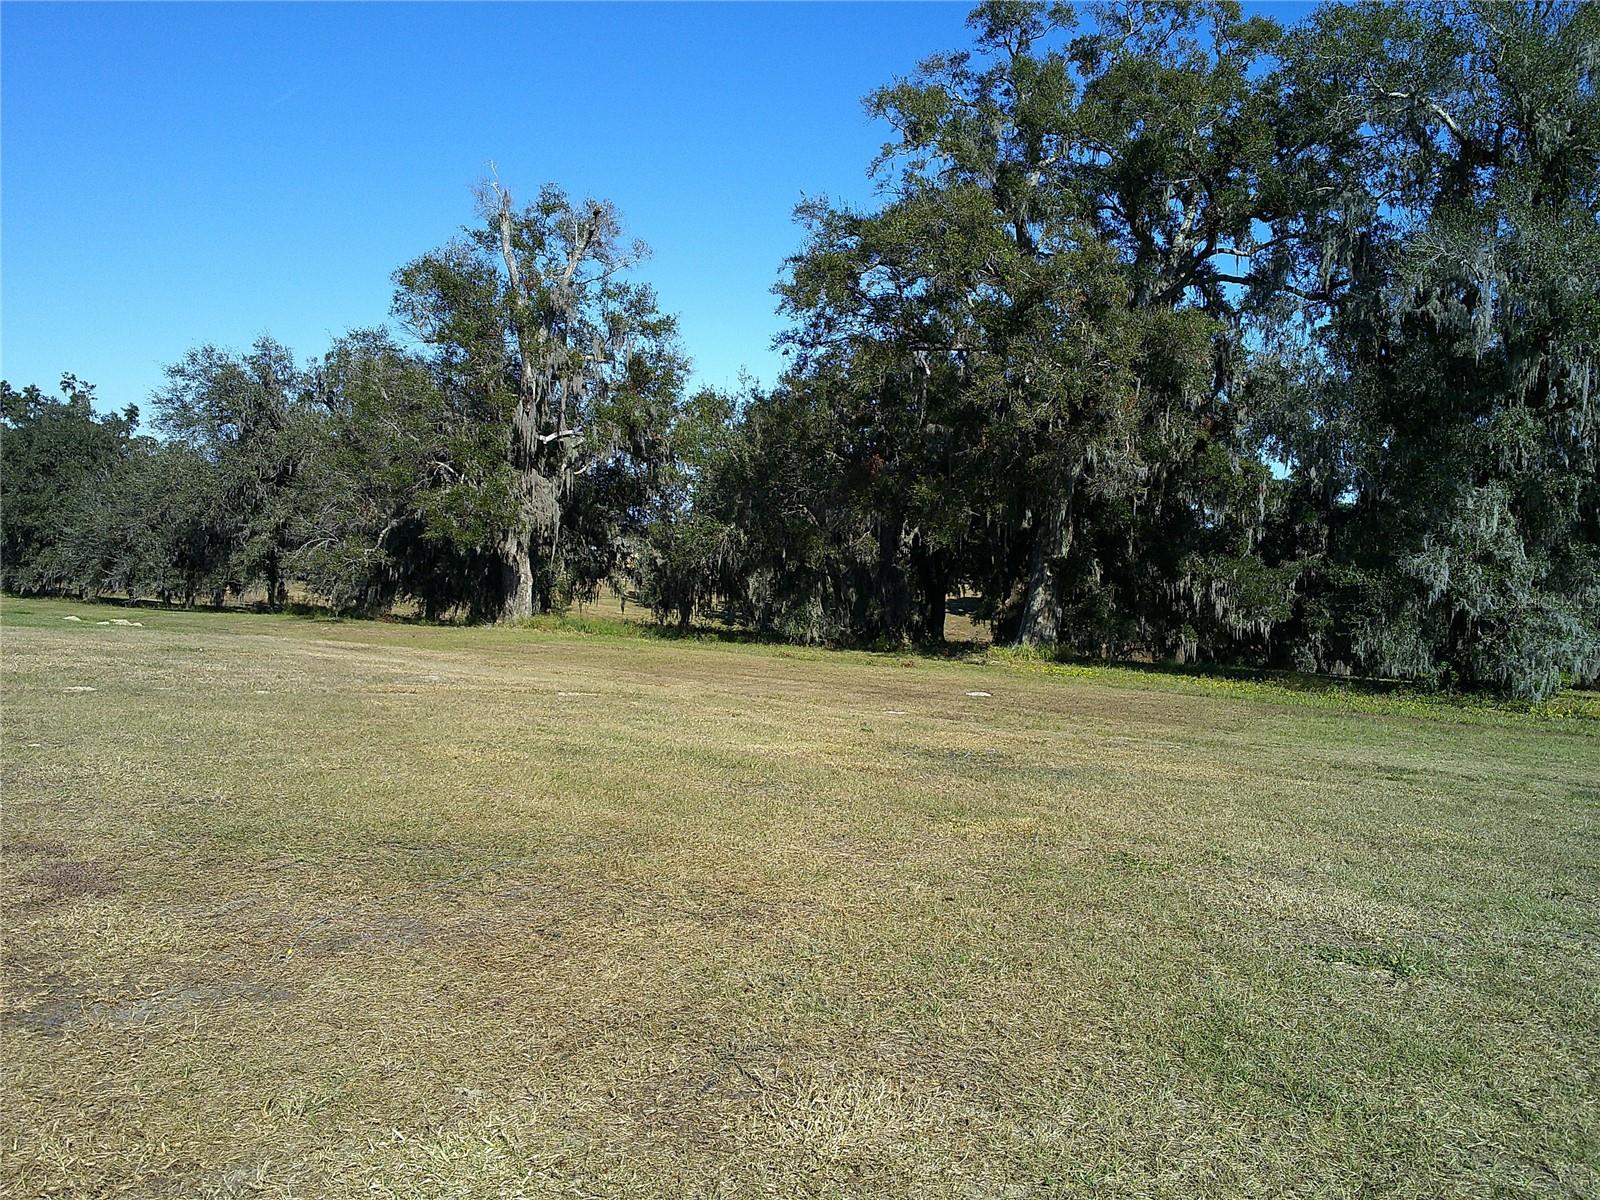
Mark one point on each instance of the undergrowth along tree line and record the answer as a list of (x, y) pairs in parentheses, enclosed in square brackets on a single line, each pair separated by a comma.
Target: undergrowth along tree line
[(1176, 333)]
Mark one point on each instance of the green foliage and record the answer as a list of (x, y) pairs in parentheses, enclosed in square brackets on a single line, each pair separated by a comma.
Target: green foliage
[(564, 374), (514, 456), (59, 458), (1452, 407), (1038, 322), (244, 417), (1175, 336)]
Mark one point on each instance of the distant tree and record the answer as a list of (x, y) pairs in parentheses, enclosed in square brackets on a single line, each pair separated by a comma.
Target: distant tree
[(410, 486), (538, 336), (246, 417), (154, 531), (58, 460), (688, 550)]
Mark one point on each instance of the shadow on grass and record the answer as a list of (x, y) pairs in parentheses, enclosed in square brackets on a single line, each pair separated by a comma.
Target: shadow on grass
[(1298, 681), (704, 632), (725, 632), (1354, 693)]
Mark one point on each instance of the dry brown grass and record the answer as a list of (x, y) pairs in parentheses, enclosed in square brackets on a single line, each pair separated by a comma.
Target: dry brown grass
[(315, 909)]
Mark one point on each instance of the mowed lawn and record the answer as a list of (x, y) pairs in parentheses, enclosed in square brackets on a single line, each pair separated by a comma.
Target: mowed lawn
[(320, 909)]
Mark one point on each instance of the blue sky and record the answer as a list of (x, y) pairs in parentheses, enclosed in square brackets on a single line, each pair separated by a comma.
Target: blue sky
[(173, 174)]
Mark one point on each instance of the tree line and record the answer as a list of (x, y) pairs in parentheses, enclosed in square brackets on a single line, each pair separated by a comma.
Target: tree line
[(1175, 333)]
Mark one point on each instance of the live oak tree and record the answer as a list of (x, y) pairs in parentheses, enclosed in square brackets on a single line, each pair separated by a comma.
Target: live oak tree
[(244, 416), (690, 552), (411, 485), (58, 459), (1060, 210), (1451, 409), (537, 331), (91, 506)]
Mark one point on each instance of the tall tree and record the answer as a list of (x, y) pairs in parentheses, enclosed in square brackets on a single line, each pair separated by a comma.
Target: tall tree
[(246, 416), (1451, 371), (537, 330), (1061, 211)]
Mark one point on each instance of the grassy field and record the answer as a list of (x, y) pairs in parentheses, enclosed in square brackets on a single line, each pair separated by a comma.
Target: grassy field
[(321, 909)]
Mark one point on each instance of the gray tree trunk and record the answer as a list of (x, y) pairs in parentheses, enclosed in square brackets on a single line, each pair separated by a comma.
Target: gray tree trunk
[(540, 458), (1041, 605), (516, 553), (516, 575)]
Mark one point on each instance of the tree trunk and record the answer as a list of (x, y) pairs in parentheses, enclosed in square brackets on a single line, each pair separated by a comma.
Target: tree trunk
[(933, 578), (277, 585), (1041, 606), (527, 419), (887, 616), (516, 578), (933, 620)]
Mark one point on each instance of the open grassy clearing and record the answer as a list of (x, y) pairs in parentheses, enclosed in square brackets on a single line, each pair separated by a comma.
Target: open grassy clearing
[(301, 908)]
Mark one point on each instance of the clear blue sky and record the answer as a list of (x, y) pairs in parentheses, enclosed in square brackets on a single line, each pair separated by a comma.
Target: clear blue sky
[(172, 174)]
